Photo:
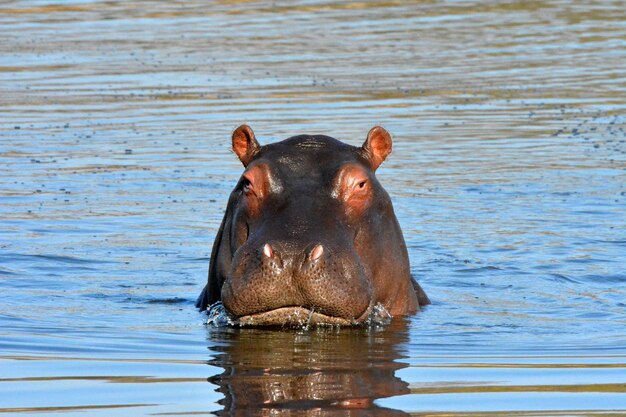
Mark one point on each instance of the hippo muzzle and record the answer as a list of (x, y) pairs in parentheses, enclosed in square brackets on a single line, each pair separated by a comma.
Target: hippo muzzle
[(309, 236), (318, 285)]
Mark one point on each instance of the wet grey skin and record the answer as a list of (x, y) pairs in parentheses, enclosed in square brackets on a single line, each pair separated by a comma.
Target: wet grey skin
[(310, 236)]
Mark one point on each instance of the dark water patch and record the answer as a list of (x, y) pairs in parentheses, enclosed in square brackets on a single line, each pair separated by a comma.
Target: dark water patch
[(10, 318), (481, 269), (49, 270), (187, 261), (172, 300), (203, 259), (590, 260), (67, 230), (26, 281), (562, 278), (605, 279), (4, 272), (55, 259), (99, 295)]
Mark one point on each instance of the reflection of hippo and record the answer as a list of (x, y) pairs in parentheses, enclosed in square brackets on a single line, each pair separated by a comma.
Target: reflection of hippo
[(310, 235), (317, 373)]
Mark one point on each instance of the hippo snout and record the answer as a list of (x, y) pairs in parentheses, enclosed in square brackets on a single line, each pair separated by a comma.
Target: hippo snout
[(273, 285)]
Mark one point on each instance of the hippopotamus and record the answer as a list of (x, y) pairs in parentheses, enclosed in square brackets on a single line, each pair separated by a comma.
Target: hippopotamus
[(310, 236)]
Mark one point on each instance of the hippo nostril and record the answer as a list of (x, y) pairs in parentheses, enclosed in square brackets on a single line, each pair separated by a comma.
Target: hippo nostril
[(267, 251), (317, 252)]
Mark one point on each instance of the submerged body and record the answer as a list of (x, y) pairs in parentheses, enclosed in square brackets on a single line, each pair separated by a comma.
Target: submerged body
[(310, 235)]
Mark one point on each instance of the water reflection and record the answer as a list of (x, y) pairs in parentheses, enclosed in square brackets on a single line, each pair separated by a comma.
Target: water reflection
[(316, 373)]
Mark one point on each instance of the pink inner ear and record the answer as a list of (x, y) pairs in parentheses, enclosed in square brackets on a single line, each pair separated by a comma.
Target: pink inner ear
[(377, 145), (245, 144), (240, 145)]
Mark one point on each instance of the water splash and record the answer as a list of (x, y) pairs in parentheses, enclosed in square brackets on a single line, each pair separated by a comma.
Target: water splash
[(217, 316), (379, 316)]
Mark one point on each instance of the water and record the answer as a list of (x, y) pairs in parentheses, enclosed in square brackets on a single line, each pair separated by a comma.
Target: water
[(508, 177)]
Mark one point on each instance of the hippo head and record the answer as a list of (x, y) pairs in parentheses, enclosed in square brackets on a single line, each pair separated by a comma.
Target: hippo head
[(310, 235)]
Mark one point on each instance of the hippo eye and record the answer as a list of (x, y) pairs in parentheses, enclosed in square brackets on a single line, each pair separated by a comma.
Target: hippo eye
[(246, 185)]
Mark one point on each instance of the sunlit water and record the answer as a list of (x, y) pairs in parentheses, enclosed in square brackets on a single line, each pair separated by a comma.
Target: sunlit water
[(508, 177)]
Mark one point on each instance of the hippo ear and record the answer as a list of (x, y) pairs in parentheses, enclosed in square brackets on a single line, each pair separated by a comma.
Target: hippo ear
[(244, 144), (377, 146)]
